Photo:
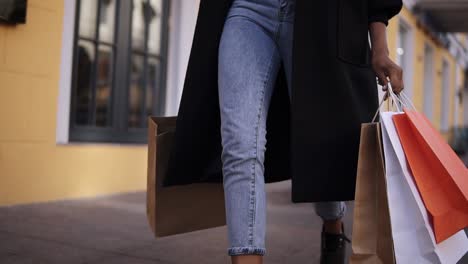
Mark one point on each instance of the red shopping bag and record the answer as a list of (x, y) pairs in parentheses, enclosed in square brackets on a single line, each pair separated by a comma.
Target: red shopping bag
[(440, 175)]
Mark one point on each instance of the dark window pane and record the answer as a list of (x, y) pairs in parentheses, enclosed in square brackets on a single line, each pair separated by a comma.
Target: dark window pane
[(104, 86), (135, 93), (84, 75), (88, 14), (107, 21)]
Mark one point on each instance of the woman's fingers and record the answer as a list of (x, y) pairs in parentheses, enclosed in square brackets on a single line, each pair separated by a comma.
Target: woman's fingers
[(382, 79), (385, 69), (396, 78)]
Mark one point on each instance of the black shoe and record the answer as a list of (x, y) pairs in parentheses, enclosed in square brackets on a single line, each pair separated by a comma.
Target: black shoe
[(333, 248)]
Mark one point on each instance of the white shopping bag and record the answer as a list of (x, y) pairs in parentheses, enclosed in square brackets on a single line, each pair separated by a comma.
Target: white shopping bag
[(413, 237)]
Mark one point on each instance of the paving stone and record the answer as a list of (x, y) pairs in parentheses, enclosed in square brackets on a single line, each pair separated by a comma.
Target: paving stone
[(84, 224), (206, 246), (121, 259), (114, 230), (19, 249), (19, 259)]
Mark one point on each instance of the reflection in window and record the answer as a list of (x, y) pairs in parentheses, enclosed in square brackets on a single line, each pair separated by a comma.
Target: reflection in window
[(146, 28), (95, 63)]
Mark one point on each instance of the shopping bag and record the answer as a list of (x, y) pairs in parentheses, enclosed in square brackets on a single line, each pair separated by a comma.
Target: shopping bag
[(412, 233), (439, 174), (372, 236), (177, 209)]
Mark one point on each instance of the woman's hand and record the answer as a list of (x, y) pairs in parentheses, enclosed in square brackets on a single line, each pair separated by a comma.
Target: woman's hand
[(385, 69)]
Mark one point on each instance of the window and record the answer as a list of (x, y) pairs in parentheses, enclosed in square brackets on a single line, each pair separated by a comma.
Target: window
[(119, 69), (405, 55), (428, 81), (445, 98)]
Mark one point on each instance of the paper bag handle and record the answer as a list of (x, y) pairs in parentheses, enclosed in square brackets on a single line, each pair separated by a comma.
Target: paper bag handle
[(394, 97)]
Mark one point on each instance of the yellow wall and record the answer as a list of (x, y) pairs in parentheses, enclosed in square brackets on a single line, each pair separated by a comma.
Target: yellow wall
[(32, 166), (420, 38)]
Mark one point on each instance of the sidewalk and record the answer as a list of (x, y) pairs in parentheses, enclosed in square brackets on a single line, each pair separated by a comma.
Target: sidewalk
[(114, 230)]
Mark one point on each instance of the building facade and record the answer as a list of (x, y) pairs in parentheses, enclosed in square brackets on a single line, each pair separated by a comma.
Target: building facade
[(76, 86)]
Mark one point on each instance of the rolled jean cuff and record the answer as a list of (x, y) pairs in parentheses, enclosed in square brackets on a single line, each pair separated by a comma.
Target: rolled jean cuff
[(236, 251), (330, 211)]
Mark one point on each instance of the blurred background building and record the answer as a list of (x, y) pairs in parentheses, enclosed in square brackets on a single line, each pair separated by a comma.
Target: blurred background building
[(79, 79)]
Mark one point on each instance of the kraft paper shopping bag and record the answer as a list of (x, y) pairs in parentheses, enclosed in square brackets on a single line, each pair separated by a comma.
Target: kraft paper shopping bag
[(413, 237), (177, 209), (440, 176), (372, 236)]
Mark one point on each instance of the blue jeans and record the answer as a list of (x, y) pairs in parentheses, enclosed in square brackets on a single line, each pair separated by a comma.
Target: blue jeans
[(256, 39)]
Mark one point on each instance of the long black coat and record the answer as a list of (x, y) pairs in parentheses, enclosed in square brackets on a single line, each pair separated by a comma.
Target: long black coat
[(314, 140)]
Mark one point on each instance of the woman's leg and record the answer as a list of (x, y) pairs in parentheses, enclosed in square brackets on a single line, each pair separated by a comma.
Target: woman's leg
[(248, 66), (333, 242), (331, 213)]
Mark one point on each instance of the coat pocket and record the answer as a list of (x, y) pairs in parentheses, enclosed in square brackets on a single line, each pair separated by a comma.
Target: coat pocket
[(352, 32)]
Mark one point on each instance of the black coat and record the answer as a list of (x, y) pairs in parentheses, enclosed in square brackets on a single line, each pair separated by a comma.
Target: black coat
[(314, 140)]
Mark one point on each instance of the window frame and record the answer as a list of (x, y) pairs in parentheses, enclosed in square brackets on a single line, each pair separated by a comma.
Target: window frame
[(118, 132)]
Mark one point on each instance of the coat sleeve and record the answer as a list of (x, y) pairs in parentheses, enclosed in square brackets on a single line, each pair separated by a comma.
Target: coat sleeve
[(383, 10)]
